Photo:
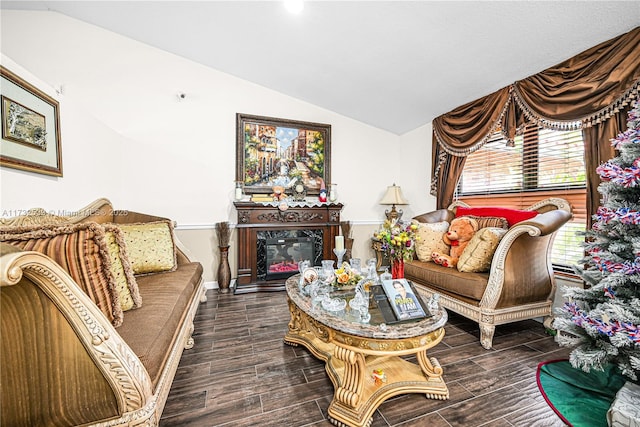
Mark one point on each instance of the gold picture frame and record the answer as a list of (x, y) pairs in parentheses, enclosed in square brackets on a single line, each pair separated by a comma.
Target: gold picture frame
[(272, 151), (30, 127)]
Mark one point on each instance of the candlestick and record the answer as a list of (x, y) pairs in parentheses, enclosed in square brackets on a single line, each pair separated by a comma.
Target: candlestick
[(339, 254), (339, 243)]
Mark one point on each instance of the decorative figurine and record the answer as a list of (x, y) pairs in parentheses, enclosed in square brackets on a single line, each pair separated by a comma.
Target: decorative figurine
[(278, 193), (323, 195), (378, 376), (299, 192)]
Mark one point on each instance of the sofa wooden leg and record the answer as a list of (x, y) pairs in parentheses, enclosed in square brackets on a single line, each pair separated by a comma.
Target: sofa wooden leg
[(486, 335), (188, 345), (548, 322)]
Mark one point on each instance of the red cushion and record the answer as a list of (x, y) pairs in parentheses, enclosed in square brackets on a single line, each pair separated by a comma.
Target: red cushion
[(513, 216)]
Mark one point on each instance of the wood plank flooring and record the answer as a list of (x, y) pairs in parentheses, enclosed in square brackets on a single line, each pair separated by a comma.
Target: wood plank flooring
[(239, 373)]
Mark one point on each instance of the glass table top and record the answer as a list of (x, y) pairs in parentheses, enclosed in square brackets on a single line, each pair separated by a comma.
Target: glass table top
[(349, 321)]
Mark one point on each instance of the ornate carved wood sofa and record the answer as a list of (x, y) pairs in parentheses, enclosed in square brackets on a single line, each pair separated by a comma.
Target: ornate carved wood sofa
[(63, 361), (520, 284)]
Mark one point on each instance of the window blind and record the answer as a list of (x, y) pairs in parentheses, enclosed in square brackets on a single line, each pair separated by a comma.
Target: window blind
[(541, 163)]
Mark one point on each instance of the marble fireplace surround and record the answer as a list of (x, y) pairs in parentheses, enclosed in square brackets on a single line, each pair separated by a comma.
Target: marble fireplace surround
[(258, 222)]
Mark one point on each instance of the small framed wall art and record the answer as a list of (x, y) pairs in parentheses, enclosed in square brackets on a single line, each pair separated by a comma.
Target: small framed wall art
[(30, 127), (279, 152)]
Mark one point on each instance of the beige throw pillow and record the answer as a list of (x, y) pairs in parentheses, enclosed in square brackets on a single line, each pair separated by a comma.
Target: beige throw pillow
[(478, 254), (430, 239), (150, 246), (126, 284)]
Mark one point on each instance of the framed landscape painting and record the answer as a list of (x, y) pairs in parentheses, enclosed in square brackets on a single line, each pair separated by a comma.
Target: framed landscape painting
[(279, 152), (30, 127)]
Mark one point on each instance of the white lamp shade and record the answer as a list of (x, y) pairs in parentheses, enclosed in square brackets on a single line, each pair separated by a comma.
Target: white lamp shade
[(393, 196)]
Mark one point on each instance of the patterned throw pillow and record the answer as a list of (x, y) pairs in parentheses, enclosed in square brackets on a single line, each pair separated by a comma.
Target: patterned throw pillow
[(490, 221), (81, 250), (126, 284), (478, 254), (513, 216), (430, 239), (150, 246)]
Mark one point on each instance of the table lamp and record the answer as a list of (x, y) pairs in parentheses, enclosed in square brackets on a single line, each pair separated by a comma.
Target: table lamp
[(393, 196)]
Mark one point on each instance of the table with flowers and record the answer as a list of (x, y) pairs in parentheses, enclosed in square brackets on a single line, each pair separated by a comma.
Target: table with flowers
[(364, 359)]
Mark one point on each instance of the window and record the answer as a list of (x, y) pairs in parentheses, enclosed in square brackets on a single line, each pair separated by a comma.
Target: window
[(542, 163)]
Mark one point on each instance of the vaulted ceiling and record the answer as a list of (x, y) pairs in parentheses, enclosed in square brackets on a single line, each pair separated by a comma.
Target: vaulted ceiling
[(392, 64)]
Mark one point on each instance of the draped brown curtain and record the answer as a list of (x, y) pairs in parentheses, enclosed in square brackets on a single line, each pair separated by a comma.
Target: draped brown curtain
[(597, 150), (583, 92)]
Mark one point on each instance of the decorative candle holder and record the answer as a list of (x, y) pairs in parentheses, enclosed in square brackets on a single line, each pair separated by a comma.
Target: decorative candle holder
[(339, 254), (239, 191)]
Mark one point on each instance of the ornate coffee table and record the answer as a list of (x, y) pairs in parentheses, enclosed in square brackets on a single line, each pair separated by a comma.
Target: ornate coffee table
[(363, 360)]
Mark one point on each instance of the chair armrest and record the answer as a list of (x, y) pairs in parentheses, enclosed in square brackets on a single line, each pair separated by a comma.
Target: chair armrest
[(435, 216), (548, 222), (521, 270), (65, 363)]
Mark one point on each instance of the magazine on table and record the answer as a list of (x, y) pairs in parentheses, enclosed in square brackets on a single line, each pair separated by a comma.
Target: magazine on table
[(404, 300)]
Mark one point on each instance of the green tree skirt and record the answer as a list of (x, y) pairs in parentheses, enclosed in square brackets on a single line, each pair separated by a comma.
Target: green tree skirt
[(581, 399)]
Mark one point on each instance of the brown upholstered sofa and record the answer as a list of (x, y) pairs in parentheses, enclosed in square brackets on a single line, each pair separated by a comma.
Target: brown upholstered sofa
[(63, 362), (520, 284)]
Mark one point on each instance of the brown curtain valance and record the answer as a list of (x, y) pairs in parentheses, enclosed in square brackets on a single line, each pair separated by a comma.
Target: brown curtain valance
[(581, 92), (467, 128)]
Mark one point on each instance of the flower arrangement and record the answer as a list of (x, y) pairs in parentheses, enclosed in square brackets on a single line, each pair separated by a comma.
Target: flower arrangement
[(398, 240), (346, 276)]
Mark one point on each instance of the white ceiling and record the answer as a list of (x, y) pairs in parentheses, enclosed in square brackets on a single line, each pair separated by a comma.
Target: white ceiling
[(392, 64)]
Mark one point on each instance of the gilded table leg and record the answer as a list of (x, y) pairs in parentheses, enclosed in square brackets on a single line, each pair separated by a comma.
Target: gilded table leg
[(349, 407), (433, 371), (349, 393)]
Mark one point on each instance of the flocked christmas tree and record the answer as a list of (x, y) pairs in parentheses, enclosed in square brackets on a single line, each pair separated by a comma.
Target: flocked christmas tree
[(602, 321)]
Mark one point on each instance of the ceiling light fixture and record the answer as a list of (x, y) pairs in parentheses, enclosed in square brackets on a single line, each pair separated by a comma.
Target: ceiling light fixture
[(294, 6)]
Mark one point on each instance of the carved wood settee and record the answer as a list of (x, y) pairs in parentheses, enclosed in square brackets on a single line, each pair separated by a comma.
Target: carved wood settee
[(63, 361), (520, 283)]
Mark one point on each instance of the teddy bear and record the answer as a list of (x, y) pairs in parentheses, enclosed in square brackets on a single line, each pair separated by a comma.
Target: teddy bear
[(461, 230), (278, 193)]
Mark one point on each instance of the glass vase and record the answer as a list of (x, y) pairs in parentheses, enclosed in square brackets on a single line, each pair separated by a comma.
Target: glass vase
[(397, 269)]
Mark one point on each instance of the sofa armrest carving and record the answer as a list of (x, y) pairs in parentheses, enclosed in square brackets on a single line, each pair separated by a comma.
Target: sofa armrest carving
[(496, 281), (120, 367)]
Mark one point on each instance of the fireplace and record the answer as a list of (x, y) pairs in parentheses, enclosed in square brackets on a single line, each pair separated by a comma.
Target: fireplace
[(270, 241), (282, 254)]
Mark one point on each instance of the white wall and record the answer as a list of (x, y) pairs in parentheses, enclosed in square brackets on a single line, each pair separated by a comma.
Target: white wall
[(125, 135)]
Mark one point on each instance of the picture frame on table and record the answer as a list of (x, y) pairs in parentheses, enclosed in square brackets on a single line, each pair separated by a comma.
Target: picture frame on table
[(281, 152), (30, 127)]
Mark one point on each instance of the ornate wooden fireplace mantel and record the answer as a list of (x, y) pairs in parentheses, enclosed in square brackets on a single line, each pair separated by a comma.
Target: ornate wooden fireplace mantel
[(257, 220)]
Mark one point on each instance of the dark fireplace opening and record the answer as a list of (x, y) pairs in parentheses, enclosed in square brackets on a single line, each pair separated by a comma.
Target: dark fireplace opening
[(283, 255), (273, 261)]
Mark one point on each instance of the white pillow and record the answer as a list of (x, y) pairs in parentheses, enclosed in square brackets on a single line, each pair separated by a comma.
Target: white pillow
[(478, 254), (430, 239)]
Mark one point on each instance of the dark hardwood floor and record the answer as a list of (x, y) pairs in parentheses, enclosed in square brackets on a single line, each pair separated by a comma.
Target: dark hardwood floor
[(239, 373)]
